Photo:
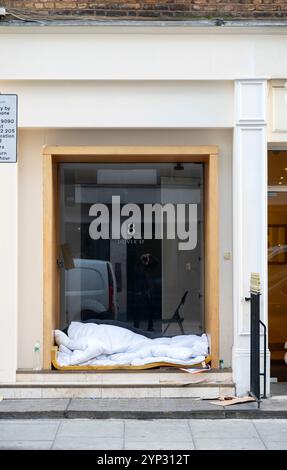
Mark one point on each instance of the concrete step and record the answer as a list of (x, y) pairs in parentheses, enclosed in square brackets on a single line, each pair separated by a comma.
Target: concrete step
[(164, 383), (137, 408), (147, 377)]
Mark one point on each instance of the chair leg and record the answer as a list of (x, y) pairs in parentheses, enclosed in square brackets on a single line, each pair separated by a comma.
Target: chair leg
[(177, 318)]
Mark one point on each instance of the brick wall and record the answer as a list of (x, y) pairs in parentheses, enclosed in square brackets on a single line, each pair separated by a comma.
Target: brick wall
[(152, 9)]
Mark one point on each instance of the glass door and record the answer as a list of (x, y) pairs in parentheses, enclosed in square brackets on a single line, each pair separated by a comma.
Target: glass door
[(277, 263)]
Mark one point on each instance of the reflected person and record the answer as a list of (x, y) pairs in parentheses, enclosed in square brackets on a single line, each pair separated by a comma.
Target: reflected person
[(144, 290)]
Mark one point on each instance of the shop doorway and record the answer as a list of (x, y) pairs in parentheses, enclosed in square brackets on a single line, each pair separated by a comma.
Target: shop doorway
[(277, 263), (74, 263)]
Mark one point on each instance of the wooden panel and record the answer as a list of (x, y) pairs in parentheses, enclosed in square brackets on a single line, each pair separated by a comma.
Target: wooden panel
[(54, 155), (51, 274), (122, 367), (162, 151), (129, 158), (212, 257)]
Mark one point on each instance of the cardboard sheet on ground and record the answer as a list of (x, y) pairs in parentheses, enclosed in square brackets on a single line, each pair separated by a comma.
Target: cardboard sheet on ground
[(197, 370), (227, 401)]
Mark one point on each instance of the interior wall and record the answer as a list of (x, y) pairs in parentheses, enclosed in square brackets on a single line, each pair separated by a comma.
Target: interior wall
[(277, 112), (30, 235)]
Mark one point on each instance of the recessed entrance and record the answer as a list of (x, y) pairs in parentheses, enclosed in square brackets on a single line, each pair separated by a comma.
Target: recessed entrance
[(134, 275), (277, 263)]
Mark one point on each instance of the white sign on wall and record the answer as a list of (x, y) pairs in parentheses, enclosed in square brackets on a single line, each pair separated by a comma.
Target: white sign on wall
[(8, 128)]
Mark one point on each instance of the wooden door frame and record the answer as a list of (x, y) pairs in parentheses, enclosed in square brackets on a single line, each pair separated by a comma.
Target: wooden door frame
[(139, 154)]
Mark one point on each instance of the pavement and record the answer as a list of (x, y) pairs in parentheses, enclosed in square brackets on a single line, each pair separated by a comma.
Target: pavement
[(139, 408), (164, 434)]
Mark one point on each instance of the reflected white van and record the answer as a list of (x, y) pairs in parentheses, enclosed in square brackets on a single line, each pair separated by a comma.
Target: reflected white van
[(90, 290)]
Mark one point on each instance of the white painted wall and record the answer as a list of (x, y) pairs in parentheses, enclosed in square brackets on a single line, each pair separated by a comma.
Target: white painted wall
[(142, 53), (30, 313), (122, 104), (8, 271), (30, 246)]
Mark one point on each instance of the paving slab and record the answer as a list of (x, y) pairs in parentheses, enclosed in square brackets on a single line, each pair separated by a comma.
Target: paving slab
[(155, 430), (158, 435), (95, 428), (222, 429), (88, 443), (229, 444), (29, 431), (159, 445), (275, 431), (276, 445), (26, 445), (31, 421)]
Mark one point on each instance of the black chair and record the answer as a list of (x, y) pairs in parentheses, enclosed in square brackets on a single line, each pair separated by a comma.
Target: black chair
[(176, 318)]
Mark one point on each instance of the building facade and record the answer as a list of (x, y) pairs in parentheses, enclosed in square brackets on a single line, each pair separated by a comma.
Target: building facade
[(192, 91)]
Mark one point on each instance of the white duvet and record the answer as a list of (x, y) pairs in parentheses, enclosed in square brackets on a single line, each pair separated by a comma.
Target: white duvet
[(107, 345)]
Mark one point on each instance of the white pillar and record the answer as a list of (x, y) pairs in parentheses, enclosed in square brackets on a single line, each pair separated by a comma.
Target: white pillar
[(8, 271), (249, 217)]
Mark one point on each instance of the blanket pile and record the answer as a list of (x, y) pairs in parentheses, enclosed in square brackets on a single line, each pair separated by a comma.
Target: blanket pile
[(108, 345)]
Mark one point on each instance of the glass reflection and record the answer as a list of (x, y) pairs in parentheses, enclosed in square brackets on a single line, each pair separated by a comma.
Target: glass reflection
[(128, 273)]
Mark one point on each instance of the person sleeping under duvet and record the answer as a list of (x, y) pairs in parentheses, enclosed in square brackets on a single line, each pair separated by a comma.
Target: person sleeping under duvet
[(101, 344)]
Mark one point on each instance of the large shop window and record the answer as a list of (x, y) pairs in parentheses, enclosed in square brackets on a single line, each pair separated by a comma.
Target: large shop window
[(131, 238)]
